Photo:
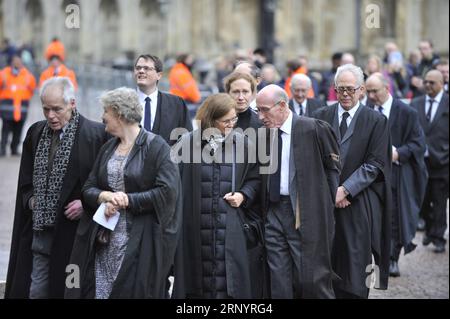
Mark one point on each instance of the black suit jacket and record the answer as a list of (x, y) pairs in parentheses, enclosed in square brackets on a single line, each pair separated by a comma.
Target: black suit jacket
[(171, 113), (436, 134), (311, 106)]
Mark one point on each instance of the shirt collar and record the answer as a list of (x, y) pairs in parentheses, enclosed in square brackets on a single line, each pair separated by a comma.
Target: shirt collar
[(287, 125), (142, 96), (387, 105), (437, 98), (352, 112)]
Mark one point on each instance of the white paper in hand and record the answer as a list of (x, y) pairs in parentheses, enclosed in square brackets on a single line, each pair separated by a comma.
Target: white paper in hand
[(100, 218)]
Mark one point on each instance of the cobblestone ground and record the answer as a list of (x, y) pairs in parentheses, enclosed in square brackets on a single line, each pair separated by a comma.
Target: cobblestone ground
[(424, 274)]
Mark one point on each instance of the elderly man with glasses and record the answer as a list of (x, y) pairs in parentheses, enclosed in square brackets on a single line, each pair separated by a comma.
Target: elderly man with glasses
[(363, 198), (298, 199)]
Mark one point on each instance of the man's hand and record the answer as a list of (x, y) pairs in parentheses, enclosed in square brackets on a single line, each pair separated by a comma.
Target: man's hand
[(344, 203), (234, 200), (341, 198), (394, 155), (74, 210)]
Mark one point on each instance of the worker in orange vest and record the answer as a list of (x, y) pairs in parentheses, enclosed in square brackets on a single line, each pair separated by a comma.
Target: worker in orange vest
[(16, 90), (55, 47), (181, 81), (57, 68), (294, 67)]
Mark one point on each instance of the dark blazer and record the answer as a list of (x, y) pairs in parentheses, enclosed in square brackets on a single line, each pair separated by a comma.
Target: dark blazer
[(437, 135), (311, 106), (89, 139), (153, 186), (171, 113)]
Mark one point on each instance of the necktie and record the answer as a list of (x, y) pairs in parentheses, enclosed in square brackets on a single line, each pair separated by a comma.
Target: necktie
[(301, 109), (148, 115), (430, 108), (275, 178), (343, 126), (380, 109)]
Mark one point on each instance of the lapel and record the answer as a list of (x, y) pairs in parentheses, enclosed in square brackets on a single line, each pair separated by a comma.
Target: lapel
[(156, 129), (393, 115), (351, 128), (334, 120), (421, 111), (292, 161), (291, 106), (439, 112)]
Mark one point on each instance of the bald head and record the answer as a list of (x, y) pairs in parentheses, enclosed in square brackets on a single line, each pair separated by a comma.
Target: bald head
[(377, 88), (273, 108), (434, 83)]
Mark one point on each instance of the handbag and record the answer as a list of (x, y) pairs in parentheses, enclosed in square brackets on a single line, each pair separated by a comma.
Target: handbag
[(103, 236)]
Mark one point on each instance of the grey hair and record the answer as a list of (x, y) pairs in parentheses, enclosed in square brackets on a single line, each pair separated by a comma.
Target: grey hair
[(355, 70), (299, 78), (125, 103), (64, 83), (281, 95)]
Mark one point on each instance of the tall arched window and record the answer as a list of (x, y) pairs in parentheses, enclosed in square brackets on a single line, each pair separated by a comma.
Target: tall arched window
[(32, 26), (152, 38)]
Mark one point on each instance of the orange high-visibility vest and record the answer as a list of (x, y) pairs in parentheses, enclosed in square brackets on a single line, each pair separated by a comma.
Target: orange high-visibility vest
[(62, 71), (183, 84), (16, 88)]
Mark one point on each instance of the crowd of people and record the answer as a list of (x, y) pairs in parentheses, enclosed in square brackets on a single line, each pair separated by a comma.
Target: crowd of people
[(294, 188)]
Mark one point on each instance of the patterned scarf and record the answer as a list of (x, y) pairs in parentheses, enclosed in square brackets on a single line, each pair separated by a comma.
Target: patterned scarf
[(47, 186)]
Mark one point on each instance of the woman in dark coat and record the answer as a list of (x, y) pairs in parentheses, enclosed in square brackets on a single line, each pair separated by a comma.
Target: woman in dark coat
[(134, 177), (213, 254)]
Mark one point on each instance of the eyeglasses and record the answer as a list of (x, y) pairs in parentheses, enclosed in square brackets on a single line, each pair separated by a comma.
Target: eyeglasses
[(145, 68), (349, 90), (267, 109), (230, 121)]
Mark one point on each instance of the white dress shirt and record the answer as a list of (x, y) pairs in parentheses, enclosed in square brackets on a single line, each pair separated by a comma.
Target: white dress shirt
[(386, 107), (297, 107), (437, 101), (352, 112), (153, 105), (286, 135)]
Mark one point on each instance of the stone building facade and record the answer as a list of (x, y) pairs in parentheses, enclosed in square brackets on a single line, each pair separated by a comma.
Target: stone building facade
[(209, 28)]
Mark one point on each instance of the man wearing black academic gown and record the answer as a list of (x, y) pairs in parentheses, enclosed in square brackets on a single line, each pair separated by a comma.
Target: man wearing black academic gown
[(58, 152), (298, 199), (163, 112), (409, 173), (433, 112), (363, 199)]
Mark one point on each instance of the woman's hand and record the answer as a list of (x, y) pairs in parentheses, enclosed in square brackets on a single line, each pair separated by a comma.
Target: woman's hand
[(118, 199), (234, 200), (110, 210)]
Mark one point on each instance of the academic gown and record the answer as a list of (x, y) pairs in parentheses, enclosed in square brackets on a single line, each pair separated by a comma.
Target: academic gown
[(363, 229), (153, 186), (410, 176), (89, 138)]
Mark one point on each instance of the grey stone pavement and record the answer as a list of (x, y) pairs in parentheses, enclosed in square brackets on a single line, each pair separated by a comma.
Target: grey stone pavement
[(424, 274)]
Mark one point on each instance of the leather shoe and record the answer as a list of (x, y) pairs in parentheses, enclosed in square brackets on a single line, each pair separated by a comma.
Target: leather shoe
[(439, 248), (394, 271), (420, 225), (426, 240)]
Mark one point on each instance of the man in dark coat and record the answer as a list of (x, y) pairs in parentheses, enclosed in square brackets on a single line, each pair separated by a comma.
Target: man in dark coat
[(409, 173), (163, 112), (363, 198), (298, 199), (58, 155), (300, 104), (433, 116)]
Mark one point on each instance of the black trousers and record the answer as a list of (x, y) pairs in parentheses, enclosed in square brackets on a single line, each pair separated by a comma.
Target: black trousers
[(396, 243), (434, 209), (283, 251), (10, 126)]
